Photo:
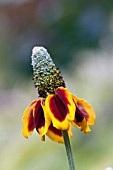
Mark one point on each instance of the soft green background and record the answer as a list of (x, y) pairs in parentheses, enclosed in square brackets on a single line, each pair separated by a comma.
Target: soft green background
[(79, 36)]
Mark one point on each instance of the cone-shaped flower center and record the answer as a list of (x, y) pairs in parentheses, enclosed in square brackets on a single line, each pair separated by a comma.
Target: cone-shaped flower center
[(47, 78)]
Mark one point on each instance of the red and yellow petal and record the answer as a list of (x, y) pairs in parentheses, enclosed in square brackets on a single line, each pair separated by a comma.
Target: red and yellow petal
[(39, 120), (27, 120), (56, 134), (33, 118), (84, 115), (47, 118), (60, 109)]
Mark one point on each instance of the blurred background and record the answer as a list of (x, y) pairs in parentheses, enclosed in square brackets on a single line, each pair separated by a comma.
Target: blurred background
[(79, 36)]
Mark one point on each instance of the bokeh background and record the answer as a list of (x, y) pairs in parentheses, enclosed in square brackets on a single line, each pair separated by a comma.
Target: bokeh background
[(79, 36)]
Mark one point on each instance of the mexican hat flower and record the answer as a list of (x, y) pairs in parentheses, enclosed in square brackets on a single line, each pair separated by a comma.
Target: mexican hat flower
[(56, 109)]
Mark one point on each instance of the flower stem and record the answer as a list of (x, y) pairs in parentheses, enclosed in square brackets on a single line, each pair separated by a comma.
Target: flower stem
[(68, 150)]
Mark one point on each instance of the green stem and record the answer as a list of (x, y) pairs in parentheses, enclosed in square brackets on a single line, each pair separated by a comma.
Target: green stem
[(68, 150)]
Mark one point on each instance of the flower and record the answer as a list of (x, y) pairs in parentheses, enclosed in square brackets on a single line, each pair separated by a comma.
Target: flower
[(57, 108)]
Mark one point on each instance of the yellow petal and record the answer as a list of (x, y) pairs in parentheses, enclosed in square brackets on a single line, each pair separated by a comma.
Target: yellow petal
[(27, 120), (56, 134), (60, 109), (84, 115)]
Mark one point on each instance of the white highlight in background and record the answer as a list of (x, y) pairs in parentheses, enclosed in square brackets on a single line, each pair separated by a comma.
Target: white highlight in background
[(109, 168)]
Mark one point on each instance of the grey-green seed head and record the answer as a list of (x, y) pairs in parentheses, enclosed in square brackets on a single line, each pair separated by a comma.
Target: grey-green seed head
[(46, 76)]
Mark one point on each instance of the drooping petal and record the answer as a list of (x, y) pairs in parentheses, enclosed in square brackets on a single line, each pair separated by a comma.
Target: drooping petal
[(60, 109), (27, 120), (84, 115), (66, 97), (39, 120), (56, 134), (33, 118)]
